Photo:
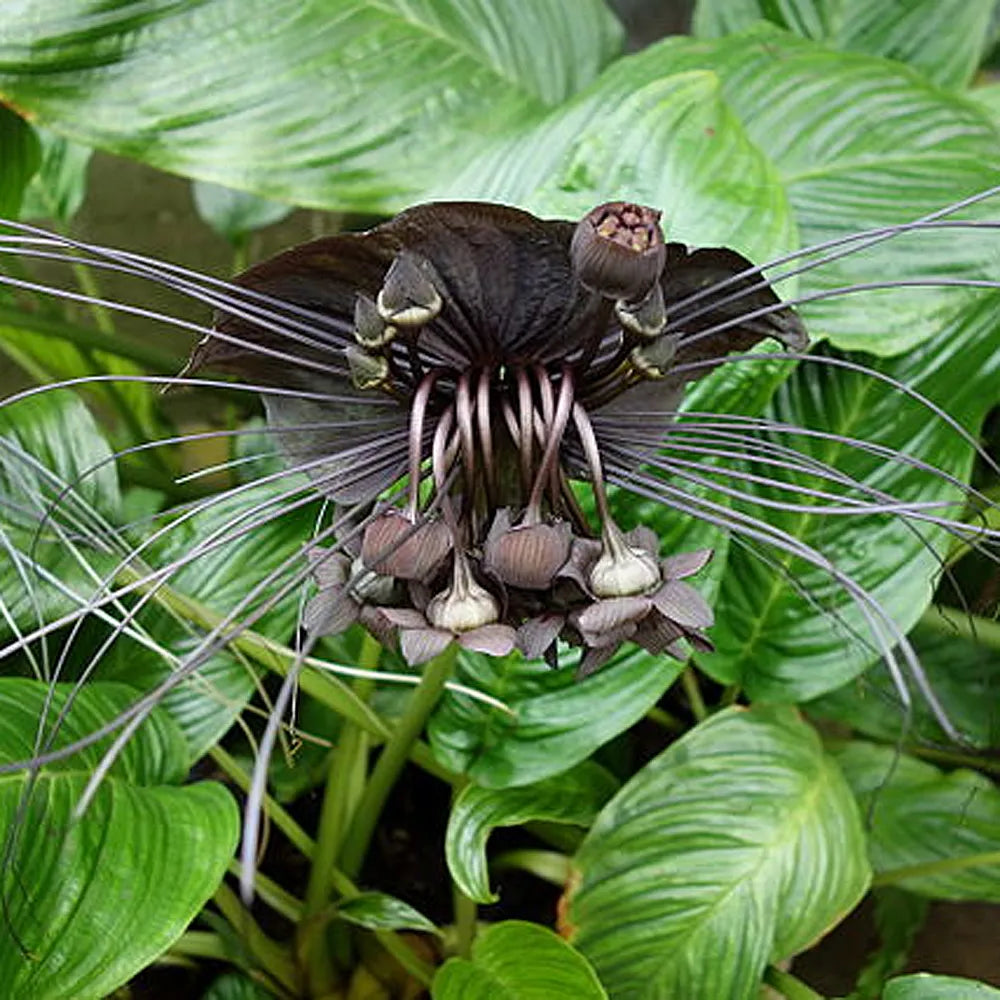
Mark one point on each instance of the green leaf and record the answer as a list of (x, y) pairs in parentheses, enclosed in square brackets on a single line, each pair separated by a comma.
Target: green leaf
[(80, 924), (783, 646), (233, 986), (56, 430), (20, 154), (515, 960), (33, 711), (344, 104), (235, 214), (380, 911), (575, 796), (738, 846), (812, 110), (637, 133), (943, 38), (926, 987), (899, 917), (921, 816), (58, 189), (557, 721), (963, 674)]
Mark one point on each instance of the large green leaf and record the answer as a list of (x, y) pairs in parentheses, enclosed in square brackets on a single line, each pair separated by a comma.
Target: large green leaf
[(575, 796), (517, 961), (637, 133), (811, 110), (57, 190), (790, 631), (926, 987), (341, 103), (89, 902), (963, 673), (557, 722), (738, 845), (944, 38), (921, 816), (20, 154)]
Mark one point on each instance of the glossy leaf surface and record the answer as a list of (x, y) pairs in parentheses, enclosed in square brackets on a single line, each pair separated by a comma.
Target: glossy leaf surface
[(811, 109), (923, 817), (575, 796), (72, 887), (781, 645), (943, 38), (737, 846), (557, 721), (301, 126), (515, 960)]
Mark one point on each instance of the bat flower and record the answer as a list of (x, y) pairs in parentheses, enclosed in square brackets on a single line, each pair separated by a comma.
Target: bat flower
[(444, 377)]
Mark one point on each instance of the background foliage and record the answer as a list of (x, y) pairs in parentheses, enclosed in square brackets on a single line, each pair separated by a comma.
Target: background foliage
[(698, 846)]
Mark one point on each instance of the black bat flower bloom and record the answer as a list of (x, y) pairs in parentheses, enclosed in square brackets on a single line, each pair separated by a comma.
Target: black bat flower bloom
[(463, 365)]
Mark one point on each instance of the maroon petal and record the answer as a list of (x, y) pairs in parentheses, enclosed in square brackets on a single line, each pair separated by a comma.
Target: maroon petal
[(681, 603), (329, 569), (537, 634), (610, 613), (593, 660), (583, 553), (683, 564), (418, 645), (330, 612), (374, 620), (644, 538), (404, 618), (527, 556), (494, 640), (394, 545), (656, 634)]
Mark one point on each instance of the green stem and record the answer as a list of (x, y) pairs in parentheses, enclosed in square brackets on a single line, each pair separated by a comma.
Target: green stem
[(788, 985), (981, 630), (347, 759), (201, 944), (689, 680), (466, 914), (393, 757), (663, 718), (896, 875), (276, 896), (273, 959), (277, 815), (956, 759)]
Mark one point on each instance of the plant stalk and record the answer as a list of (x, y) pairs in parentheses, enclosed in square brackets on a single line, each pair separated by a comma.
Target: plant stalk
[(393, 757)]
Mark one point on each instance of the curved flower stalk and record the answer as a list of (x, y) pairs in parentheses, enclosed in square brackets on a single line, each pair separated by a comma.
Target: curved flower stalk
[(498, 340)]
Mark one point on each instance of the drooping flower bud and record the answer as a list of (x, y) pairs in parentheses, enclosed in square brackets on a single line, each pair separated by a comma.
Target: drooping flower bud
[(528, 555), (655, 358), (393, 545), (368, 371), (408, 296), (618, 250), (647, 318), (465, 605), (622, 570), (368, 586), (370, 329)]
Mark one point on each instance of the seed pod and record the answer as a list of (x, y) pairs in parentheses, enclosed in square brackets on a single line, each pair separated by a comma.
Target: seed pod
[(618, 250)]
